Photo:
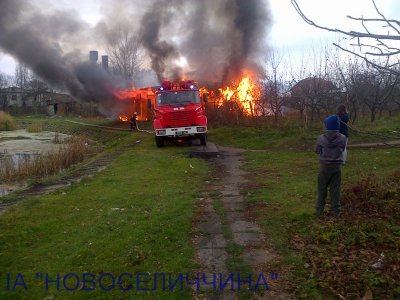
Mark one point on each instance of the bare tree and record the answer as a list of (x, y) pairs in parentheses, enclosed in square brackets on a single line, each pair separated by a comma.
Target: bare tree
[(36, 88), (125, 54), (379, 88), (376, 49), (273, 85), (21, 76), (367, 90), (395, 99), (347, 81), (294, 101), (3, 92), (313, 89), (3, 81)]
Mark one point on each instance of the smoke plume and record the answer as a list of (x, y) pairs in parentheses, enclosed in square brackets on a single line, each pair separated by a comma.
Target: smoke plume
[(37, 40), (218, 40), (160, 51)]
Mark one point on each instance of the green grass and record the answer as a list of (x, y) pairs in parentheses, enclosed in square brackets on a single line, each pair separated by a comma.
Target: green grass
[(385, 124), (383, 129), (286, 200), (133, 217), (107, 137), (284, 194), (292, 136), (262, 138)]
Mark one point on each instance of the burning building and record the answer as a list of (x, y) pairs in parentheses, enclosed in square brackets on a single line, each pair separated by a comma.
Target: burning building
[(141, 101)]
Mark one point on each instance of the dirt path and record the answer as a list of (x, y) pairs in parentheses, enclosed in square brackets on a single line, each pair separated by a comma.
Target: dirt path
[(226, 240)]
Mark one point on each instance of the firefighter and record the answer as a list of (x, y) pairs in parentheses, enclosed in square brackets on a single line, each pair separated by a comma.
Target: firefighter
[(132, 121)]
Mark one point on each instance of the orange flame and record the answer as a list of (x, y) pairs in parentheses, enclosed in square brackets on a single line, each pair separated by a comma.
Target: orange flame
[(245, 93), (123, 118), (227, 95)]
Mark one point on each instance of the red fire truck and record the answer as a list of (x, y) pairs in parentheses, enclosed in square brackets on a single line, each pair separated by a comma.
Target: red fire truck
[(179, 113)]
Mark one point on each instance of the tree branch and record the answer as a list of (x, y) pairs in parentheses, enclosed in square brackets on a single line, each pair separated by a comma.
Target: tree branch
[(388, 69), (384, 18), (356, 34)]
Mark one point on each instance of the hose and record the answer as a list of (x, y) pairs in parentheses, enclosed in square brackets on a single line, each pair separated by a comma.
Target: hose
[(142, 130)]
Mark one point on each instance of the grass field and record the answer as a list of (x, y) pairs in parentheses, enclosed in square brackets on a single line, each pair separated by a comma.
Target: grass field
[(136, 216), (328, 258), (290, 135), (133, 217)]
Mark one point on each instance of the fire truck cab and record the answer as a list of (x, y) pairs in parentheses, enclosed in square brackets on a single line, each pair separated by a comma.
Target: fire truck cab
[(179, 113)]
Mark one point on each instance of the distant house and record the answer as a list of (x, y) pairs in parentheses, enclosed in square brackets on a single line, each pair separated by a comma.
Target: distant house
[(314, 95), (18, 100), (312, 86), (60, 104)]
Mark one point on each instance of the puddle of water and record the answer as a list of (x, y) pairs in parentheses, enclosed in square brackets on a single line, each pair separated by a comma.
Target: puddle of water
[(20, 146), (21, 141), (17, 158)]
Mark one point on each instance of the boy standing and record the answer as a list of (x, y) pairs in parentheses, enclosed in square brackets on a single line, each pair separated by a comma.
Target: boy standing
[(330, 147)]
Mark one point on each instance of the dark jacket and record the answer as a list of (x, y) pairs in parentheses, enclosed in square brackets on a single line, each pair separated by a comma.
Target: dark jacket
[(330, 147), (344, 119), (133, 119)]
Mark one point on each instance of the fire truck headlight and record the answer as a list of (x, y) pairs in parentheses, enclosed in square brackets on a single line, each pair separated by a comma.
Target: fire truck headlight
[(161, 132), (192, 86), (201, 129)]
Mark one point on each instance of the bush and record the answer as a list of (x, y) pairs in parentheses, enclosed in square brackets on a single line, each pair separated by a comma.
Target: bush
[(35, 126), (7, 122)]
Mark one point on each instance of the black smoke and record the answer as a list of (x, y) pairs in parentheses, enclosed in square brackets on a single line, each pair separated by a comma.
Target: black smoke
[(159, 50), (219, 39), (250, 21), (36, 40)]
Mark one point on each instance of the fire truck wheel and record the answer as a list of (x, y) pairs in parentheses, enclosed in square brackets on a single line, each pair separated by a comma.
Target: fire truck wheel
[(159, 141), (203, 139)]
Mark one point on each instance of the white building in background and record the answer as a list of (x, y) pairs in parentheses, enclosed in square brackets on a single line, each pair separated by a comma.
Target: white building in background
[(15, 97), (18, 100)]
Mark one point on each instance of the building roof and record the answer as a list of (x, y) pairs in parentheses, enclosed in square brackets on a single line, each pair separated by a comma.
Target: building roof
[(313, 83)]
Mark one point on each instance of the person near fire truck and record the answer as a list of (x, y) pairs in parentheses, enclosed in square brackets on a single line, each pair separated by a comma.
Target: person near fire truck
[(132, 121)]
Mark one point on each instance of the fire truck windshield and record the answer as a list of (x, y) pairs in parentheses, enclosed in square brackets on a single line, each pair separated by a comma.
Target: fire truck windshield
[(178, 97)]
